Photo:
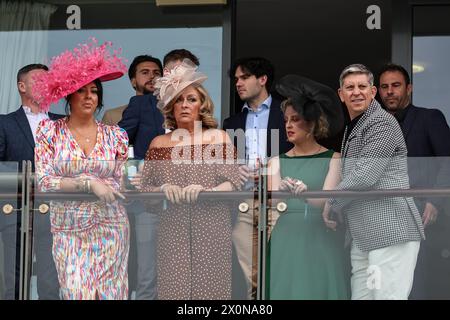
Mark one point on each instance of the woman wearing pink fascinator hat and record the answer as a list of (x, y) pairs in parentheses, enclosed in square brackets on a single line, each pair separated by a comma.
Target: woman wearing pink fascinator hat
[(207, 164), (79, 154)]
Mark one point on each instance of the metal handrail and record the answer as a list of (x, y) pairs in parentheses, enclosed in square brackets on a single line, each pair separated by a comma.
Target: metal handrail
[(9, 179), (235, 195), (23, 181), (227, 195), (230, 195)]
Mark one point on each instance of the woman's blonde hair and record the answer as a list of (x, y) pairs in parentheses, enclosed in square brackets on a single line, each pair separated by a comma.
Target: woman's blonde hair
[(206, 110), (320, 126)]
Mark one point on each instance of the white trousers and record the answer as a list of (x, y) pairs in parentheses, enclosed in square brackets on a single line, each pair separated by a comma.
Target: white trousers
[(384, 274)]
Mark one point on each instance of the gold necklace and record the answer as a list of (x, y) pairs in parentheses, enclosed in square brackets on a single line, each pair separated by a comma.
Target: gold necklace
[(86, 138), (318, 150)]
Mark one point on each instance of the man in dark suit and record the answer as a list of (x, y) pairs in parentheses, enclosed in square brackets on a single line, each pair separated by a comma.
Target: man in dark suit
[(143, 121), (385, 232), (142, 72), (258, 133), (17, 140), (427, 135)]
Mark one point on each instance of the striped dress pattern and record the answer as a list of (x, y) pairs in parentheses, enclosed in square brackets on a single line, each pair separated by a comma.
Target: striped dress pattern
[(90, 238)]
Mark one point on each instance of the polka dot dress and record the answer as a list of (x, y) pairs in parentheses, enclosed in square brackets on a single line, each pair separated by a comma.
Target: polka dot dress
[(194, 242)]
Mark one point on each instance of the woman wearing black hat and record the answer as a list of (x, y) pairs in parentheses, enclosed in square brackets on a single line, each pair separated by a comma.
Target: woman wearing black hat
[(306, 261)]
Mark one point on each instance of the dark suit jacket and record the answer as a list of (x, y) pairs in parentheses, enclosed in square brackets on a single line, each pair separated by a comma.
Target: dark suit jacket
[(427, 135), (142, 121), (276, 122), (16, 138), (16, 144)]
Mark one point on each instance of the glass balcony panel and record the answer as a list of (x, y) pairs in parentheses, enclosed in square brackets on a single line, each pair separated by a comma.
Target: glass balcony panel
[(10, 217)]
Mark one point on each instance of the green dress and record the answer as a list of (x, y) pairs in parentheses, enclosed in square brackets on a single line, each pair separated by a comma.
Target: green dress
[(305, 260)]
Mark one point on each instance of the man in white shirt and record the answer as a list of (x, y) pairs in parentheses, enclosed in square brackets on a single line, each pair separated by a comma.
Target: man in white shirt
[(17, 140), (262, 122)]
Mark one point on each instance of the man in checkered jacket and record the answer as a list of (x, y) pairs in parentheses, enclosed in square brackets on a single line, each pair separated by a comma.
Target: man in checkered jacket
[(385, 232)]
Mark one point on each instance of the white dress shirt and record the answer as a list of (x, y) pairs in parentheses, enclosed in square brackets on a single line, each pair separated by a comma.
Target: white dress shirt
[(34, 119)]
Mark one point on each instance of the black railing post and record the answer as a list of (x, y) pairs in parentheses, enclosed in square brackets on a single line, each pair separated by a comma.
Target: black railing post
[(262, 234), (26, 232)]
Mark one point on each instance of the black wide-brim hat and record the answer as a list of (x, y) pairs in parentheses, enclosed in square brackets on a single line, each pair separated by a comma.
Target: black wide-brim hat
[(312, 99)]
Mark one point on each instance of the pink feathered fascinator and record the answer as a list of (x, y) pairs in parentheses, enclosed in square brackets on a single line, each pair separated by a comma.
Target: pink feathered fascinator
[(72, 70)]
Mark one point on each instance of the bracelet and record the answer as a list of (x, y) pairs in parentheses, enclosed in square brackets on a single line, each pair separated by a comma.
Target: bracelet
[(80, 185), (162, 186), (84, 185), (88, 183)]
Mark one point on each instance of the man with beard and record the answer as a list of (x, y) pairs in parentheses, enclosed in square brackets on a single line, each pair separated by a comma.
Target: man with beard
[(143, 70), (427, 135)]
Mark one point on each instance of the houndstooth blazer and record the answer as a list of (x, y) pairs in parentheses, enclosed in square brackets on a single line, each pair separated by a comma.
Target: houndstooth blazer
[(374, 156)]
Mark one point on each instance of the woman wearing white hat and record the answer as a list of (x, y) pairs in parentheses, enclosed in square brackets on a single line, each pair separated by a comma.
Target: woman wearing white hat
[(194, 244)]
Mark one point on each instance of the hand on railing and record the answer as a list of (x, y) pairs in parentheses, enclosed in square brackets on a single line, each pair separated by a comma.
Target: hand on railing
[(295, 186), (173, 193), (104, 192), (190, 193)]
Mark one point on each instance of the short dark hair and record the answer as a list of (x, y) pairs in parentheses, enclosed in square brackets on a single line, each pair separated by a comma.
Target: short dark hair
[(98, 83), (34, 66), (395, 67), (180, 54), (257, 66), (139, 59)]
